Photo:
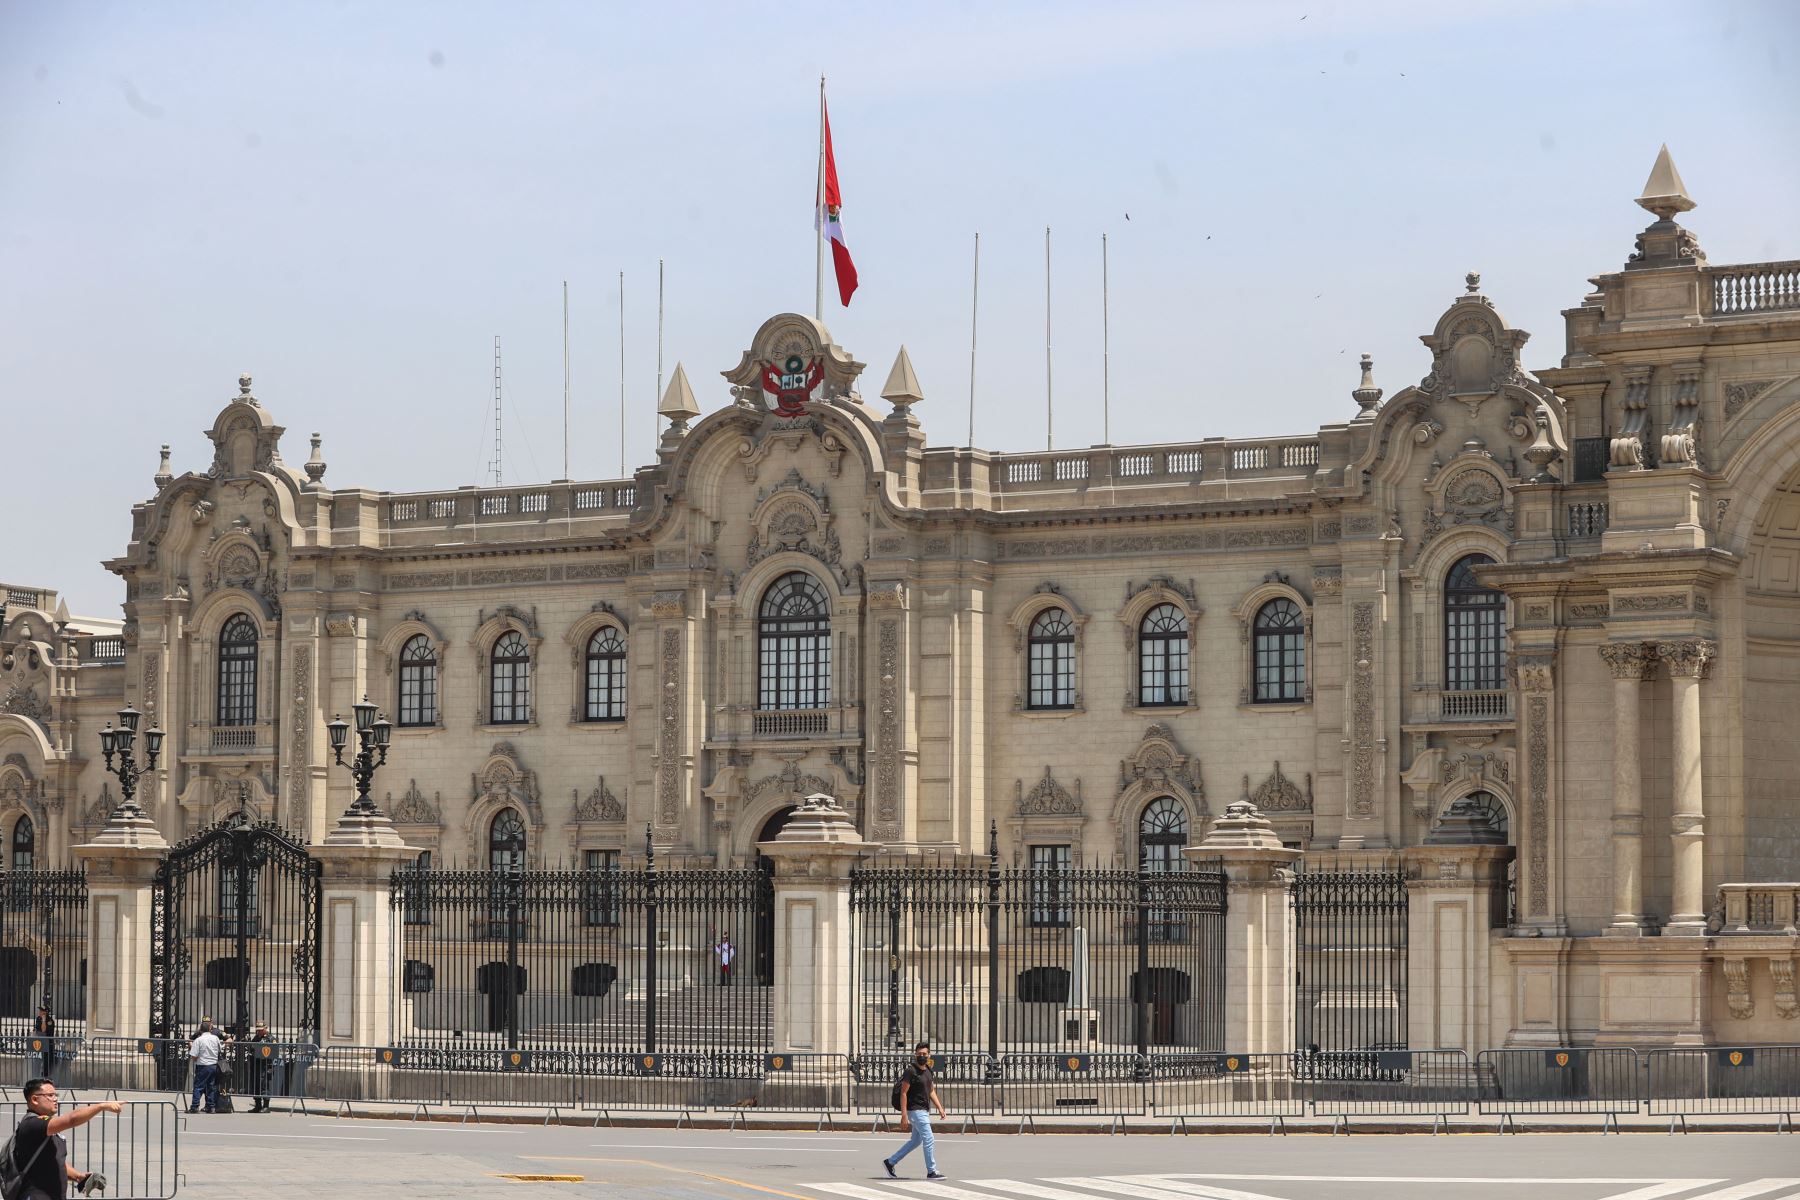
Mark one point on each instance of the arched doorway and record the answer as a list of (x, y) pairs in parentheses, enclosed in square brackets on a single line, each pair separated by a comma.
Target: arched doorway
[(763, 943)]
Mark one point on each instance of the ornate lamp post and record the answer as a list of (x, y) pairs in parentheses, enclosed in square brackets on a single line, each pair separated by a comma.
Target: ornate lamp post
[(120, 742), (372, 734)]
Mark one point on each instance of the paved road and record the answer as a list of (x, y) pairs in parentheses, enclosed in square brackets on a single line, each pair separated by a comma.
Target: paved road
[(301, 1156)]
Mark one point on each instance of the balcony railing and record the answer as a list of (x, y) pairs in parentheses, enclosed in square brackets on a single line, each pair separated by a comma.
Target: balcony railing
[(107, 649), (1755, 288), (1587, 519), (1767, 908), (793, 722), (1473, 706)]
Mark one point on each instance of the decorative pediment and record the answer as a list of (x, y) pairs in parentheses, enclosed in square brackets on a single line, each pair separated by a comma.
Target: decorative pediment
[(792, 362), (599, 807), (1278, 793), (1470, 491), (245, 438), (790, 781), (795, 516), (1047, 798), (414, 809), (1159, 763), (23, 700), (1474, 353), (503, 777)]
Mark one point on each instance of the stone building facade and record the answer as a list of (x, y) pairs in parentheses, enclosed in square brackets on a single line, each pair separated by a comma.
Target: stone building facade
[(1563, 602)]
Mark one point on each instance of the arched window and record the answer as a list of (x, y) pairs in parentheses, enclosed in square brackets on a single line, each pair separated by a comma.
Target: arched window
[(24, 844), (606, 675), (1052, 665), (1474, 630), (418, 681), (237, 671), (1163, 657), (510, 687), (1162, 832), (1280, 653), (506, 841), (793, 637)]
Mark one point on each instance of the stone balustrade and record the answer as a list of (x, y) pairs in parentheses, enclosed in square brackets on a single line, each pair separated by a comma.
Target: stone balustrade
[(1758, 908), (1754, 288)]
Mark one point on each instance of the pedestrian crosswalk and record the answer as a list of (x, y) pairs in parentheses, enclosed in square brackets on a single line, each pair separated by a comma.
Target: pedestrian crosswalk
[(1185, 1186)]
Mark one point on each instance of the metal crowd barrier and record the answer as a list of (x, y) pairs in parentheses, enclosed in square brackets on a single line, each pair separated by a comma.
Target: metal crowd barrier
[(1434, 1083), (1225, 1085), (1736, 1080), (33, 1056), (1565, 1080), (965, 1083), (138, 1150), (1098, 1085)]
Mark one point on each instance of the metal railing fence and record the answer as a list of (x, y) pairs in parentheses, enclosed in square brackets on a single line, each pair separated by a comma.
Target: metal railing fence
[(1711, 1080), (138, 1150), (1566, 1080), (1261, 1086)]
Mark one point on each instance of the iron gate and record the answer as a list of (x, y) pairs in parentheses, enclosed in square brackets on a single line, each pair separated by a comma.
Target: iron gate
[(603, 964), (1350, 926), (43, 951), (234, 934), (976, 957)]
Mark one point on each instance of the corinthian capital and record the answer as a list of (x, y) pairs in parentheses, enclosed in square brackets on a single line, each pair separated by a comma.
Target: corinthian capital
[(1536, 672), (1688, 658), (1629, 660)]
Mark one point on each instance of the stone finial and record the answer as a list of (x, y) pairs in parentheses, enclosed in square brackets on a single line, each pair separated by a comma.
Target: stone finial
[(678, 404), (1367, 395), (163, 477), (1243, 827), (1542, 451), (315, 466), (902, 386), (244, 396), (1664, 193), (1472, 283)]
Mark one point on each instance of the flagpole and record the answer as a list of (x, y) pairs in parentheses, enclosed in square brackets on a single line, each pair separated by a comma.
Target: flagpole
[(1049, 402), (566, 475), (974, 314), (622, 373), (819, 218), (1105, 353), (659, 328)]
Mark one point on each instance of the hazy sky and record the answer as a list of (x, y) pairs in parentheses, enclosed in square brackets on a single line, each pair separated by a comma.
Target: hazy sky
[(349, 200)]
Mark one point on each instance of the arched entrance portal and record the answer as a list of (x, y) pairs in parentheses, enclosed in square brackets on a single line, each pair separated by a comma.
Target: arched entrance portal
[(764, 941)]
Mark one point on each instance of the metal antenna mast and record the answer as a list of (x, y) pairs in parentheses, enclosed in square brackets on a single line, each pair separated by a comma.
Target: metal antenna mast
[(497, 422)]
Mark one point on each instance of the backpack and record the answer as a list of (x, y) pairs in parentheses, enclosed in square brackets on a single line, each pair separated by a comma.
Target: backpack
[(894, 1099), (12, 1176)]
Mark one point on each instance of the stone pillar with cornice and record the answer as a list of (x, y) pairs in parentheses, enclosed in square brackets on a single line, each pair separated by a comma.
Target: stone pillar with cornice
[(1456, 891), (814, 855), (121, 865), (356, 936), (674, 820), (1631, 663), (893, 772), (1260, 948), (1688, 660), (1539, 903)]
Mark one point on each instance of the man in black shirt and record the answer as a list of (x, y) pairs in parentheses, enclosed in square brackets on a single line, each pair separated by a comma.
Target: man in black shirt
[(38, 1148), (918, 1093)]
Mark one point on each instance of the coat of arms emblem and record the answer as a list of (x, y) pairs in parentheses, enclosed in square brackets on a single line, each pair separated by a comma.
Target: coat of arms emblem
[(787, 387)]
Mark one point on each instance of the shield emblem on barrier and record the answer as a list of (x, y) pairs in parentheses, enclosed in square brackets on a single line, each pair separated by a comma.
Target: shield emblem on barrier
[(147, 1047), (1232, 1062), (37, 1045), (1562, 1058), (777, 1063), (385, 1056), (265, 1051), (515, 1058), (1735, 1058)]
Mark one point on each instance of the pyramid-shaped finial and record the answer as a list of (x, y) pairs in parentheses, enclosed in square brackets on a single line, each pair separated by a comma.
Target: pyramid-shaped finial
[(678, 401), (902, 386), (1664, 193)]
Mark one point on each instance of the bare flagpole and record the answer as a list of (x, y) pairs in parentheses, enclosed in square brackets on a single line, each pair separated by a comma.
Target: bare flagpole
[(659, 328), (1105, 353), (621, 373), (974, 314), (1049, 403), (566, 475), (819, 218)]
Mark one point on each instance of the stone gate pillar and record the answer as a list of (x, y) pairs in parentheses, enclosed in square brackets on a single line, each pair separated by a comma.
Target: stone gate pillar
[(1259, 929), (1456, 896), (358, 970), (121, 865), (813, 857)]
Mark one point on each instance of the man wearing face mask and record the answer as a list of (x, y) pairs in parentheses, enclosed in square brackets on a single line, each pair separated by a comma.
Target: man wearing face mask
[(917, 1095)]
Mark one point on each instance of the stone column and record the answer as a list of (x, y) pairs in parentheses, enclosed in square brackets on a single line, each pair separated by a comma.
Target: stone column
[(1688, 662), (121, 865), (813, 969), (1456, 889), (1259, 929), (1631, 663), (1539, 901), (358, 973)]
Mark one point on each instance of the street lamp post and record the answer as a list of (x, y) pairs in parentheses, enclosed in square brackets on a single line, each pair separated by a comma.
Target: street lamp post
[(120, 742), (372, 734)]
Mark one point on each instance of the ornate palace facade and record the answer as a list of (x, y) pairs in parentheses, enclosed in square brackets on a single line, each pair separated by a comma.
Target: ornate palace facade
[(1565, 603)]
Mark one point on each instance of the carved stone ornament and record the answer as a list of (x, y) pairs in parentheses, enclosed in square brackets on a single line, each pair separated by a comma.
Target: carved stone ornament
[(796, 516), (413, 808), (1047, 798), (1536, 672), (791, 782), (22, 700), (1278, 793), (792, 362), (1689, 658), (1737, 988), (1157, 761), (1787, 1003), (600, 806), (1629, 660), (503, 779), (1741, 393)]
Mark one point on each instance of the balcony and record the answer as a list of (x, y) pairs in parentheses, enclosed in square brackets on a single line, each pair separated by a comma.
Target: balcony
[(792, 722), (206, 740), (1474, 706), (1759, 908)]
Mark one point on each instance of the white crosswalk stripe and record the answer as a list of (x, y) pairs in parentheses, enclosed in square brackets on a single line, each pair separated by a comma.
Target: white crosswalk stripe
[(1199, 1187), (1745, 1191), (1667, 1187), (1137, 1187), (1202, 1191)]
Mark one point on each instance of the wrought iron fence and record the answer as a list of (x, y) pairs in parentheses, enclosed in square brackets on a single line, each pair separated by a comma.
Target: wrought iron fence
[(600, 964), (968, 954), (43, 952), (1350, 927)]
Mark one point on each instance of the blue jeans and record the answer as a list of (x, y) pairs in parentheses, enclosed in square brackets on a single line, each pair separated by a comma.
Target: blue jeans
[(206, 1079), (921, 1136)]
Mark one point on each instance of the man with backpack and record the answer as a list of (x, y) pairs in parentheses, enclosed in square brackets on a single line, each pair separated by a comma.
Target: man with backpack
[(35, 1163), (914, 1095)]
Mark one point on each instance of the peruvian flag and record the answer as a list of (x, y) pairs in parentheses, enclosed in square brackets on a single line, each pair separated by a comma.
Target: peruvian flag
[(828, 221)]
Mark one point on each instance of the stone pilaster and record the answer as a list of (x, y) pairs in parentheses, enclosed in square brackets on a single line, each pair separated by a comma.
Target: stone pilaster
[(1631, 663), (1456, 894), (1689, 660), (1539, 901), (1260, 949), (121, 866), (813, 858), (356, 942)]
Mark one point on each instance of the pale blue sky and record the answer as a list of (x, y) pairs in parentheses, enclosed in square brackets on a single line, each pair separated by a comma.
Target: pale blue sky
[(350, 200)]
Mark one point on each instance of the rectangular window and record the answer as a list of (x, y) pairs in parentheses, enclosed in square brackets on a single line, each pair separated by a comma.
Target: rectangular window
[(1053, 675), (600, 890), (1050, 886), (1280, 667), (418, 694)]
